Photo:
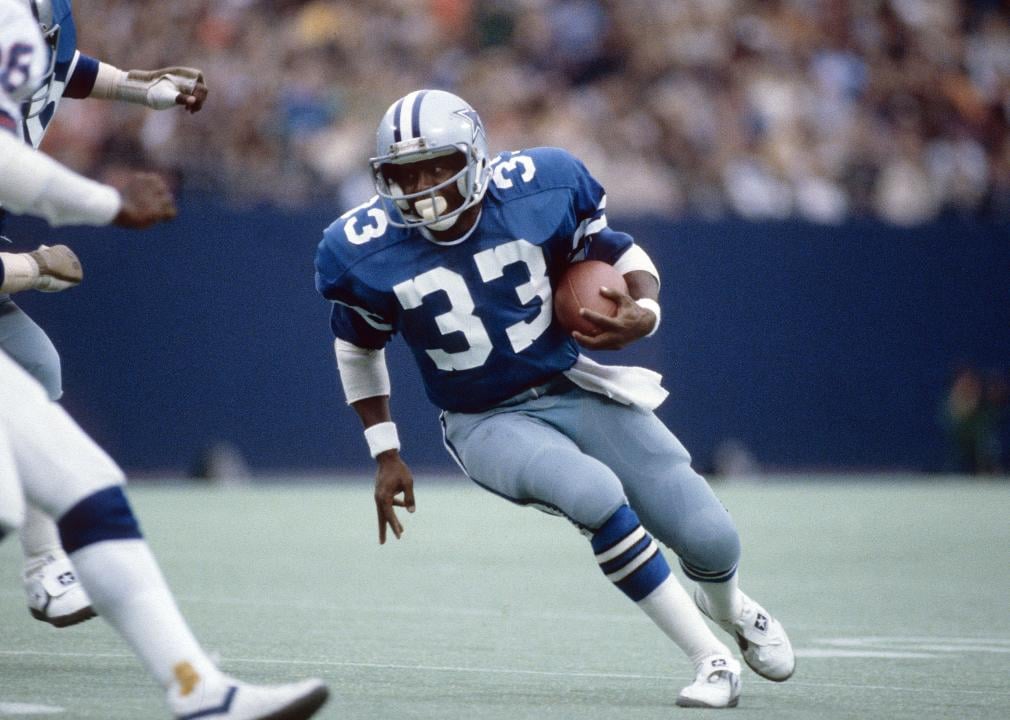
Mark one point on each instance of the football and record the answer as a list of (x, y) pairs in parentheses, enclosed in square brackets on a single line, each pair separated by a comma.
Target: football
[(579, 288)]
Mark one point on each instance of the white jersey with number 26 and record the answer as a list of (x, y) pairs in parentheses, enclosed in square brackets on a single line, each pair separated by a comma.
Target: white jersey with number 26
[(22, 61)]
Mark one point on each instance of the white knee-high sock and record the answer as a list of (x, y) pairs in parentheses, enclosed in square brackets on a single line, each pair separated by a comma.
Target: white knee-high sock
[(39, 538), (724, 600), (128, 590), (674, 612)]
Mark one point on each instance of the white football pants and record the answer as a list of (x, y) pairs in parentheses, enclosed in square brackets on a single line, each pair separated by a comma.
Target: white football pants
[(45, 457)]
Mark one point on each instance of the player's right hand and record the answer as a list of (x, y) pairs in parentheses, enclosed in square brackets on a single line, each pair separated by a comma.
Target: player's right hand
[(59, 268), (146, 201), (392, 478)]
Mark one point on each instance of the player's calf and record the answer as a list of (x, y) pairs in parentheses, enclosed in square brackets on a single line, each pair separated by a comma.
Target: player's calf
[(104, 515), (628, 555)]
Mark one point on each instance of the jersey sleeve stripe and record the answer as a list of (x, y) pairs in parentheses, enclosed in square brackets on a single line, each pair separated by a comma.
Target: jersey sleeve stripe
[(371, 318), (589, 226)]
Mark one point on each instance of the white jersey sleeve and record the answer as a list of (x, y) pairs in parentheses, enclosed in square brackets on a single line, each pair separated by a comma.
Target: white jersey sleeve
[(32, 183)]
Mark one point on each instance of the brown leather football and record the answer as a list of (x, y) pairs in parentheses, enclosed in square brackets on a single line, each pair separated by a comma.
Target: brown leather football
[(579, 288)]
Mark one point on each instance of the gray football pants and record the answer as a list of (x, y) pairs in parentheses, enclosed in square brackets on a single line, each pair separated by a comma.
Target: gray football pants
[(29, 346), (583, 455)]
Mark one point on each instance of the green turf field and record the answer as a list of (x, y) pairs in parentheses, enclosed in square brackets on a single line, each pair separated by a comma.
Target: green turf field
[(896, 596)]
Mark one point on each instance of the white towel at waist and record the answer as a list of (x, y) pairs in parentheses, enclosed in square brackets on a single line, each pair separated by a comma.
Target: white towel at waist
[(628, 385)]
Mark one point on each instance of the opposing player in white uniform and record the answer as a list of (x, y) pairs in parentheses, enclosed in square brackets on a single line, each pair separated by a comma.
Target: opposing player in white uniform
[(54, 596), (459, 253), (48, 462)]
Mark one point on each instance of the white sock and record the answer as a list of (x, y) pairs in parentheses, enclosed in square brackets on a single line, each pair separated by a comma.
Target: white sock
[(127, 590), (39, 538), (674, 612), (724, 600)]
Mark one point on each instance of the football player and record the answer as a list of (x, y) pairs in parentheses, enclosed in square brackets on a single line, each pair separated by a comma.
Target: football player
[(459, 252), (66, 73), (48, 462)]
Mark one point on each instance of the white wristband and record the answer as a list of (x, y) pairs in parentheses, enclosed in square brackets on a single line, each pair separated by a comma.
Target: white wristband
[(381, 437), (653, 306)]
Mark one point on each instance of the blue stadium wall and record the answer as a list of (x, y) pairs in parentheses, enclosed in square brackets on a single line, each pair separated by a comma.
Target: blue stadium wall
[(816, 347)]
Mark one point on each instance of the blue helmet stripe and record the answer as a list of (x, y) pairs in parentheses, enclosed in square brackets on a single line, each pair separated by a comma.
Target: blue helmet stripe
[(397, 137), (415, 116)]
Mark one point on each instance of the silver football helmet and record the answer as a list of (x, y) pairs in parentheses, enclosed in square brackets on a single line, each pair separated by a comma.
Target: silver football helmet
[(422, 125), (44, 15)]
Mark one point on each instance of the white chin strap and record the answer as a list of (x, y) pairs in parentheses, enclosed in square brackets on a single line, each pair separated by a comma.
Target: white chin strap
[(430, 208)]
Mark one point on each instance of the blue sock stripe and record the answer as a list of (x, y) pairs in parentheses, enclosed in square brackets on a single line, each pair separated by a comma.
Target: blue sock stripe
[(618, 526), (646, 578), (699, 575), (635, 550), (219, 710), (105, 515), (627, 556)]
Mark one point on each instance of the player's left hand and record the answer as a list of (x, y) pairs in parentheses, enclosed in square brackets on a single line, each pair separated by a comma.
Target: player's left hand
[(59, 268), (392, 479), (631, 322)]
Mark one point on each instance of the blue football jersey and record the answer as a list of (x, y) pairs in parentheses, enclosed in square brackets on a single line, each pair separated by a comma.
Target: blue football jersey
[(477, 315)]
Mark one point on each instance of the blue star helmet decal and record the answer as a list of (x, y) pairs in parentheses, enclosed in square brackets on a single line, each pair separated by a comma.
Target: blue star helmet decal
[(471, 115)]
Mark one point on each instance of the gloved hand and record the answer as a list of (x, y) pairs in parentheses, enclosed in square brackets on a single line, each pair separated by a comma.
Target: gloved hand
[(167, 87), (59, 268)]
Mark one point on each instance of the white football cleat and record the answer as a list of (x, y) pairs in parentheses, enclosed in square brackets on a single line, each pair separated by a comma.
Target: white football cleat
[(716, 684), (55, 595), (762, 639), (224, 698)]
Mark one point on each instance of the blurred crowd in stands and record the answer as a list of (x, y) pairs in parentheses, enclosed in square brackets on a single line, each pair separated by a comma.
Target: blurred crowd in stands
[(820, 109)]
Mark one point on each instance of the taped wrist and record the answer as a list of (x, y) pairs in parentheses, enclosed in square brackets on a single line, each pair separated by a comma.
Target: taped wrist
[(20, 272), (382, 437), (156, 89), (653, 306)]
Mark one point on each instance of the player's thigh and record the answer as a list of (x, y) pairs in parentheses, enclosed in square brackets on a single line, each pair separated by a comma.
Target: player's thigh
[(673, 501), (27, 343), (528, 461), (58, 464), (12, 503)]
